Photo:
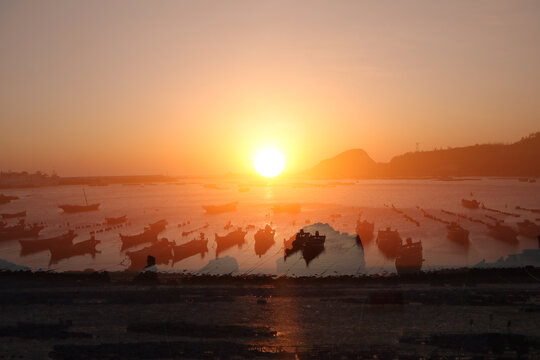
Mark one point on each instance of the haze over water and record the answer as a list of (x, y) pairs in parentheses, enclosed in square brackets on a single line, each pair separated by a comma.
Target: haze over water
[(336, 203)]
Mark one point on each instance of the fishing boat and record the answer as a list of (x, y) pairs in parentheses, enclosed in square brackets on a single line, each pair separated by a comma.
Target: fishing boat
[(159, 225), (161, 251), (457, 234), (81, 248), (4, 199), (528, 228), (264, 239), (69, 209), (218, 209), (409, 259), (503, 232), (311, 245), (13, 215), (470, 204), (389, 242), (20, 231), (236, 237), (116, 220), (37, 245), (191, 248), (148, 235), (364, 229)]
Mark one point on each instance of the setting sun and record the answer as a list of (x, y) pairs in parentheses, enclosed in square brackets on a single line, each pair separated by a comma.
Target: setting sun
[(269, 162)]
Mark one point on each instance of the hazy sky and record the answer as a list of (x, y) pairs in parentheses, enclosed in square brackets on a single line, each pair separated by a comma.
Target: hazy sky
[(195, 87)]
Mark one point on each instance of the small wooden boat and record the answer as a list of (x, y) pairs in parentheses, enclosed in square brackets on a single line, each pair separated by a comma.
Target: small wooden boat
[(20, 231), (69, 209), (409, 259), (218, 209), (37, 245), (194, 247), (264, 240), (81, 248), (236, 237), (470, 204), (14, 215), (148, 235), (116, 220)]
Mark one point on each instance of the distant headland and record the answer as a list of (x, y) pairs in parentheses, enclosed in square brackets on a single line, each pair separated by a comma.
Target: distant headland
[(520, 159)]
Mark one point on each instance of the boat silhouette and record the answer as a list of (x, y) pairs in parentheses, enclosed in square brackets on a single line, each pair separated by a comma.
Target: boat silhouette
[(37, 245), (528, 229), (457, 234), (236, 237), (14, 215), (409, 258), (503, 232), (60, 252), (218, 209), (79, 208), (389, 242), (264, 240), (470, 204), (20, 231), (191, 248), (364, 229), (310, 245), (161, 251)]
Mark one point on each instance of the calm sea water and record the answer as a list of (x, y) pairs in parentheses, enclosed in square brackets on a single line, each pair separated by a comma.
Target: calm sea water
[(335, 203)]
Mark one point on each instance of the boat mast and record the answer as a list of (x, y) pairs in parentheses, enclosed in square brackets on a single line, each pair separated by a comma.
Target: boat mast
[(85, 199)]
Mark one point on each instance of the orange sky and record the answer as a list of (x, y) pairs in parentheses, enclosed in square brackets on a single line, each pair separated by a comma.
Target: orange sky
[(195, 87)]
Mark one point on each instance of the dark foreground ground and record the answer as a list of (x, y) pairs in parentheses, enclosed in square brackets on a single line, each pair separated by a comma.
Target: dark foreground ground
[(491, 314)]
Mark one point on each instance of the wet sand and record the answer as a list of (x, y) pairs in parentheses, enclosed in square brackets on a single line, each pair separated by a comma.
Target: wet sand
[(110, 316)]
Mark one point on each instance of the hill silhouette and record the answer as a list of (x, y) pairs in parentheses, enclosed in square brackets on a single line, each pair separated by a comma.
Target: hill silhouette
[(518, 159)]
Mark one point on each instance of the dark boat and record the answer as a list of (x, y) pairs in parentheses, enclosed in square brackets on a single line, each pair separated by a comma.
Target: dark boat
[(69, 209), (162, 251), (20, 231), (503, 232), (4, 199), (148, 235), (14, 215), (236, 237), (457, 234), (310, 245), (365, 230), (528, 228), (159, 225), (37, 245), (218, 209), (287, 208), (264, 240), (81, 248), (409, 259), (389, 242), (194, 247), (116, 221), (470, 204)]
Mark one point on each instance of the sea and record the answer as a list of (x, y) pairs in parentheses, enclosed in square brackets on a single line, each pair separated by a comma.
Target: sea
[(332, 207)]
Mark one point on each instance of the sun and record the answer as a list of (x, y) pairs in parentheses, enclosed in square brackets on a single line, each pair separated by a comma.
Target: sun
[(269, 162)]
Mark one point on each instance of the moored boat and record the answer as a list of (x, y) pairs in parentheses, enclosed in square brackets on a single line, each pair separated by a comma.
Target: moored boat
[(528, 228), (409, 258), (191, 248), (364, 229), (37, 245), (457, 234), (236, 237), (20, 231), (161, 251), (470, 204), (70, 209), (503, 232), (218, 209), (148, 235), (14, 215), (60, 252), (389, 242), (264, 239)]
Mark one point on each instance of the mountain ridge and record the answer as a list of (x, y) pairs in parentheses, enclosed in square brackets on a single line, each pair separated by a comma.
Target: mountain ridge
[(521, 158)]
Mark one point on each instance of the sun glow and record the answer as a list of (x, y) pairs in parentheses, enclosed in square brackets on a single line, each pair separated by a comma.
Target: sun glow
[(269, 162)]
